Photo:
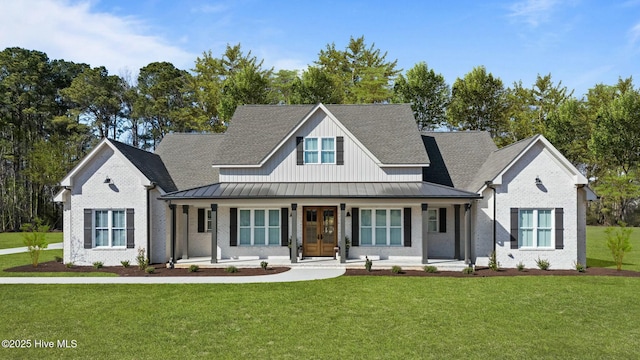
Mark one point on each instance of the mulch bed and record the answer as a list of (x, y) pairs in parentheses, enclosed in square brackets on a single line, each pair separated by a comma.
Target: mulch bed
[(160, 270)]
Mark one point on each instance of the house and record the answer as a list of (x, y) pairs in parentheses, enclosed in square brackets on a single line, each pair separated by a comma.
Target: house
[(326, 178)]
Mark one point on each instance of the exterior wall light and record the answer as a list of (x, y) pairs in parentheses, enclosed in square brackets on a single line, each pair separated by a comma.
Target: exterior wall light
[(538, 181), (108, 181)]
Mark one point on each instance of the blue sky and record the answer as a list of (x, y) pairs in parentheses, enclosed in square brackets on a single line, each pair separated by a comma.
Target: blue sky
[(581, 43)]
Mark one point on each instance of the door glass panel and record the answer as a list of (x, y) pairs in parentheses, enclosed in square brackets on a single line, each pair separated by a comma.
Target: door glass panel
[(329, 226), (311, 227)]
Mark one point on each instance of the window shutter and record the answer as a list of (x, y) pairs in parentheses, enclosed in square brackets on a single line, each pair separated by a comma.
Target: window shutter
[(442, 218), (88, 230), (130, 228), (201, 220), (559, 228), (407, 227), (284, 226), (514, 228), (300, 150), (233, 227), (355, 227), (340, 150)]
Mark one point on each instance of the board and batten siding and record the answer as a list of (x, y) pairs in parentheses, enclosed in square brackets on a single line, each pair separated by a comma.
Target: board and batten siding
[(358, 165)]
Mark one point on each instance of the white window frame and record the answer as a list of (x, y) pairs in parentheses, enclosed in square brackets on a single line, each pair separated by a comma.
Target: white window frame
[(252, 226), (109, 228), (207, 222), (388, 227), (536, 228), (320, 150), (431, 222)]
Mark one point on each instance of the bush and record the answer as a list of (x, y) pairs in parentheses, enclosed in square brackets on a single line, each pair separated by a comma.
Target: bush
[(142, 260), (57, 258), (69, 265), (430, 269), (264, 265), (468, 270), (579, 267), (194, 268), (493, 262), (520, 266), (368, 263), (97, 265), (125, 263), (618, 243), (34, 238), (149, 269), (543, 264), (396, 269), (231, 269)]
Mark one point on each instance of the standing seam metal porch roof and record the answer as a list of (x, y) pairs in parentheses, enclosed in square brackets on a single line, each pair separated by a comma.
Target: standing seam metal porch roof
[(278, 190)]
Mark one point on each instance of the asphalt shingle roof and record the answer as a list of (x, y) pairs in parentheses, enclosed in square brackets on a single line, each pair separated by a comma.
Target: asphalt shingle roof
[(149, 164)]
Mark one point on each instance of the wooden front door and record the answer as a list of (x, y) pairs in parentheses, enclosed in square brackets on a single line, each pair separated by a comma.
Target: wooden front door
[(319, 230)]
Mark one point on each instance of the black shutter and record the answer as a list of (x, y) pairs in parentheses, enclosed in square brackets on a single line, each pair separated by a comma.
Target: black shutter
[(284, 226), (130, 228), (300, 150), (88, 238), (201, 220), (559, 228), (233, 227), (355, 227), (407, 227), (514, 228), (442, 217), (340, 150)]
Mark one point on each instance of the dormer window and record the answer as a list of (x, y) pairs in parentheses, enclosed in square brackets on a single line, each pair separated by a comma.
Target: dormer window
[(319, 150)]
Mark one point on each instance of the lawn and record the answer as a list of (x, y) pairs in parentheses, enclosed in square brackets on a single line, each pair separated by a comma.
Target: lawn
[(598, 255), (347, 317), (15, 239), (9, 261)]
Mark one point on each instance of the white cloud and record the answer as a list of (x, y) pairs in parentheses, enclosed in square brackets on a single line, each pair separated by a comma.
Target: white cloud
[(533, 12), (75, 32)]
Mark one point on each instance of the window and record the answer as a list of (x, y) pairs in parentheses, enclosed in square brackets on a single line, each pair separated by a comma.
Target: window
[(534, 228), (259, 227), (319, 150), (207, 227), (380, 227), (432, 220), (109, 228)]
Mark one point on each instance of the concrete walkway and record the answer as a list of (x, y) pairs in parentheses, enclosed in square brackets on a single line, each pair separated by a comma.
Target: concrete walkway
[(53, 246)]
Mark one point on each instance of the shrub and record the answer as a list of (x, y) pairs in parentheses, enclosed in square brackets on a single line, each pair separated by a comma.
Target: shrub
[(520, 266), (97, 265), (57, 258), (231, 269), (194, 268), (125, 263), (142, 259), (69, 265), (543, 264), (34, 238), (430, 269), (368, 263), (264, 265), (618, 243), (396, 269), (493, 262), (468, 270), (149, 269), (579, 267)]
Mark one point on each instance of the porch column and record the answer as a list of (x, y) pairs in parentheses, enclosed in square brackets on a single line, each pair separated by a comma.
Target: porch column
[(456, 231), (343, 242), (214, 233), (425, 231), (294, 234), (173, 231), (185, 231), (467, 238)]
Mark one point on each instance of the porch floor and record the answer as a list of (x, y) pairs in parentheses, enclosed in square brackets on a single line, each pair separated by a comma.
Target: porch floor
[(324, 262)]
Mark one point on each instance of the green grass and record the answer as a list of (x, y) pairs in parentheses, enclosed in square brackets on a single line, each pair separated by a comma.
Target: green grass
[(12, 260), (348, 317), (15, 239), (598, 255)]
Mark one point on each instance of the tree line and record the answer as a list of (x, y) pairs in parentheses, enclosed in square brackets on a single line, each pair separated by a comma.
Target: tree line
[(53, 111)]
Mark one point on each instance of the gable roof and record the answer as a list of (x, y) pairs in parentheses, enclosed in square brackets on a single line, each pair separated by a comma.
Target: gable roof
[(387, 131), (188, 158), (149, 164)]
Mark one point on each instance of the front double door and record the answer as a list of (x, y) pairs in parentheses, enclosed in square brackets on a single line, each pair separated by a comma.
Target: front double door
[(319, 230)]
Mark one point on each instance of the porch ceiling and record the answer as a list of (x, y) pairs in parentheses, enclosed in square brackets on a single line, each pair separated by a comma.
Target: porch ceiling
[(414, 190)]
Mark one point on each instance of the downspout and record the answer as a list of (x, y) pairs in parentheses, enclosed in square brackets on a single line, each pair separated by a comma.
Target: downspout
[(149, 188), (489, 184)]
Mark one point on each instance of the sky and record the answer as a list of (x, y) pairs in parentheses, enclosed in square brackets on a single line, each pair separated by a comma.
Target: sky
[(581, 43)]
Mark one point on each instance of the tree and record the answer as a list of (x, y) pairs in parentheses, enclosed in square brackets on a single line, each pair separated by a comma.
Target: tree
[(315, 86), (618, 243), (428, 94), (478, 102)]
